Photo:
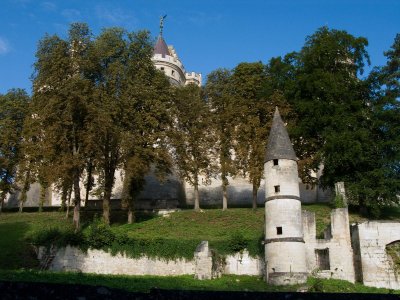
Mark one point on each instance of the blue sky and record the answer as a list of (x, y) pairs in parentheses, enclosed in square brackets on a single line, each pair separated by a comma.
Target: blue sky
[(207, 34)]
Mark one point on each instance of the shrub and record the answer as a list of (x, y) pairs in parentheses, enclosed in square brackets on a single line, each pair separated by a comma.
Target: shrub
[(99, 235), (338, 202), (237, 242)]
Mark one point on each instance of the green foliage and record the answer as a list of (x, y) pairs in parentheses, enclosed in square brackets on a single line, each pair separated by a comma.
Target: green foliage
[(237, 242), (13, 110), (223, 109), (146, 283), (393, 250), (316, 284), (192, 138), (338, 202), (57, 237), (99, 235)]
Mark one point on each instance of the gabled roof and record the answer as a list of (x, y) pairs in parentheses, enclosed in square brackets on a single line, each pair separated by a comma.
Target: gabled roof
[(161, 47), (279, 145)]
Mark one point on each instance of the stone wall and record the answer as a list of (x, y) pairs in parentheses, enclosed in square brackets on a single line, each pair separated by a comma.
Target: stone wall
[(99, 262), (372, 260), (173, 193), (336, 247), (244, 264)]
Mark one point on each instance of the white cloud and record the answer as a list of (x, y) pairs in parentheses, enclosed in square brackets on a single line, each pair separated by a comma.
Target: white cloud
[(4, 47), (115, 16), (201, 18), (71, 15), (49, 6)]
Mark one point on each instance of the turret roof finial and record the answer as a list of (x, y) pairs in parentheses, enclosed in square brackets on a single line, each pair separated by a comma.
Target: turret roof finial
[(162, 24)]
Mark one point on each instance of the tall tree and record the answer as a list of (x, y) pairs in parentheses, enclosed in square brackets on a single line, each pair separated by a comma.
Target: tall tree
[(109, 53), (377, 183), (193, 138), (60, 100), (251, 129), (330, 103), (13, 110), (147, 119), (218, 87)]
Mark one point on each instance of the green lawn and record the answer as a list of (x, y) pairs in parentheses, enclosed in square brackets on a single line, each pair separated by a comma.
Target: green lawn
[(225, 283)]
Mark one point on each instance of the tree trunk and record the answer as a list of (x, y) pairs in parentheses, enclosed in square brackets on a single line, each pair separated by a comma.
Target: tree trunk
[(224, 197), (2, 198), (131, 215), (196, 194), (68, 202), (21, 206), (24, 191), (89, 182), (225, 184), (255, 189), (77, 201), (64, 195), (42, 198), (108, 185), (106, 208)]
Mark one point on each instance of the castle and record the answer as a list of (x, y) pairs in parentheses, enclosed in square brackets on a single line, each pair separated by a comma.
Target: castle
[(174, 192), (292, 250)]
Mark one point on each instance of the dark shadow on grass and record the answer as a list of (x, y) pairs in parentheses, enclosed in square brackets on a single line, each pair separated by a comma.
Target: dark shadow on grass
[(117, 217), (15, 251)]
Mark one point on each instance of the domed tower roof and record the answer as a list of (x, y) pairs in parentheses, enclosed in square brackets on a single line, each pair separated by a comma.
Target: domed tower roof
[(279, 145), (161, 47)]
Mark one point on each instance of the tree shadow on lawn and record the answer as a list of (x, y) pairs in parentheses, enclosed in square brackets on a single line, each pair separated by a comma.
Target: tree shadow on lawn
[(15, 251), (117, 217)]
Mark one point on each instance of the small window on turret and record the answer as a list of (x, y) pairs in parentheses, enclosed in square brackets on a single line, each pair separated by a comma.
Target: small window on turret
[(279, 230), (162, 68), (277, 188), (276, 162), (173, 73)]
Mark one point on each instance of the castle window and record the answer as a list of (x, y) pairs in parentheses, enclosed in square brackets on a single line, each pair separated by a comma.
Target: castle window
[(322, 259), (275, 162), (279, 230), (162, 68), (277, 188), (173, 73)]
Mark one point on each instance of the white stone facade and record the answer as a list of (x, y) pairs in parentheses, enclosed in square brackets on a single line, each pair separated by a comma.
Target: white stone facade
[(374, 265), (285, 253), (336, 247)]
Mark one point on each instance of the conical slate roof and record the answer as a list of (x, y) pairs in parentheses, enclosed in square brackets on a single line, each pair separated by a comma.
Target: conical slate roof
[(161, 47), (279, 145)]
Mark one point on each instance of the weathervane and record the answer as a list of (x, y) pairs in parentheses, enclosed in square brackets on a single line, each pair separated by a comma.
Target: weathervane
[(162, 24)]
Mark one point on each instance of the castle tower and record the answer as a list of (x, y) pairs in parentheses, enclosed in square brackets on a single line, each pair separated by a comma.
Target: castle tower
[(285, 255), (166, 59)]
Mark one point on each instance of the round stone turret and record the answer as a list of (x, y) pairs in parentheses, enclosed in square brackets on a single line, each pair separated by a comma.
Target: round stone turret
[(284, 244), (165, 59)]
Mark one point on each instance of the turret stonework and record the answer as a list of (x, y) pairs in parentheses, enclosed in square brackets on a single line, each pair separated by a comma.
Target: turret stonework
[(285, 252), (166, 59)]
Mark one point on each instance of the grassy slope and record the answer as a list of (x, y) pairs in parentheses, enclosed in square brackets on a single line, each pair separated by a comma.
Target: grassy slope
[(15, 228), (215, 226)]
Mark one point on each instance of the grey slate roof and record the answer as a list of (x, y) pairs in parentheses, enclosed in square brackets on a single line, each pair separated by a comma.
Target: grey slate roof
[(279, 145), (161, 47)]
